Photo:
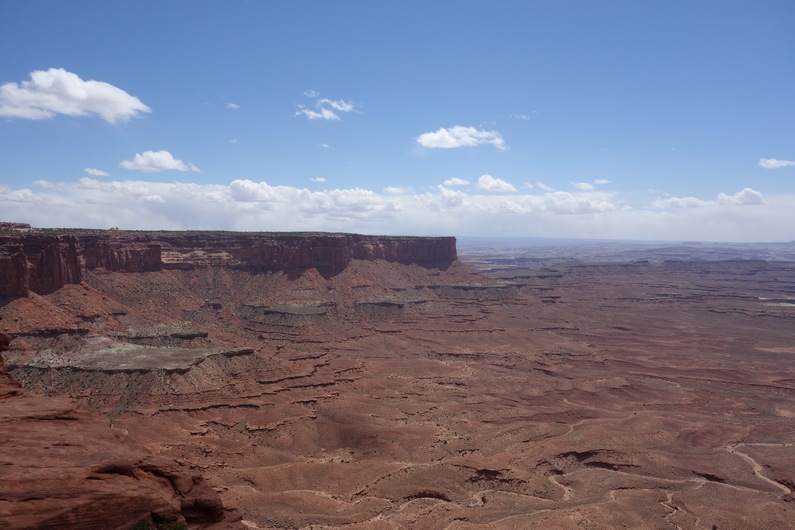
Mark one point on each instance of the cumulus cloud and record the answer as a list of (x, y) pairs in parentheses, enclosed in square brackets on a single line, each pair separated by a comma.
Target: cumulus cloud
[(95, 172), (325, 108), (303, 203), (582, 186), (154, 162), (397, 190), (319, 180), (679, 202), (772, 163), (455, 181), (311, 93), (745, 197), (494, 185), (446, 198), (47, 185), (563, 202), (544, 186), (232, 106), (56, 91), (459, 136), (601, 182)]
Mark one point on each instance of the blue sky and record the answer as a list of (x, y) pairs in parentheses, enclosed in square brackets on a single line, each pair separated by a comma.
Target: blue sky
[(654, 120)]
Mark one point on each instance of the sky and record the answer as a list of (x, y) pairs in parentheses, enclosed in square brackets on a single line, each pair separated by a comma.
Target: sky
[(654, 120)]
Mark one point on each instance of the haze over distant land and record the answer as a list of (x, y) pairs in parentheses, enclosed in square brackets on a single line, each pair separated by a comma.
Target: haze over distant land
[(505, 254), (608, 120)]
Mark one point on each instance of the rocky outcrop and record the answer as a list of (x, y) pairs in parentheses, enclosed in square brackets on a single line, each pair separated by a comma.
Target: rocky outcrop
[(13, 270), (65, 466), (38, 263), (424, 251), (8, 385), (14, 226), (119, 255), (328, 253), (44, 261)]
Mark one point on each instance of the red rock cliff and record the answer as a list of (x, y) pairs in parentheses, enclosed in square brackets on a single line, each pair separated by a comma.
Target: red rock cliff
[(39, 263), (120, 254), (13, 270), (44, 261), (328, 253)]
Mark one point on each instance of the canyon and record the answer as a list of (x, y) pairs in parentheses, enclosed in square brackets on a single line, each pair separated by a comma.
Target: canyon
[(262, 380)]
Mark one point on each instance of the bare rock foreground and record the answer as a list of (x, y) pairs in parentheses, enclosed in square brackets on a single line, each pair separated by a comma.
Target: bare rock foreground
[(377, 383)]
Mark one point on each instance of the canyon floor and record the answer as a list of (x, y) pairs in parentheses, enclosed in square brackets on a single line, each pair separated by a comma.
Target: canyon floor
[(610, 395)]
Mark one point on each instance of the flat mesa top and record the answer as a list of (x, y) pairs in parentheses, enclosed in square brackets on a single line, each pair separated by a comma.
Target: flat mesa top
[(172, 233)]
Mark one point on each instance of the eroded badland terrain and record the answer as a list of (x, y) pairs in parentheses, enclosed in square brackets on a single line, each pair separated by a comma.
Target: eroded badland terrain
[(339, 381)]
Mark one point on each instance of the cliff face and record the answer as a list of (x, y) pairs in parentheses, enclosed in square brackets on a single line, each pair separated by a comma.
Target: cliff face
[(120, 255), (13, 270), (328, 253), (43, 262), (38, 263)]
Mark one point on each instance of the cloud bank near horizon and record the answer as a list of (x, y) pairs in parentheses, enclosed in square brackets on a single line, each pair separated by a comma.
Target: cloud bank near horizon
[(250, 205)]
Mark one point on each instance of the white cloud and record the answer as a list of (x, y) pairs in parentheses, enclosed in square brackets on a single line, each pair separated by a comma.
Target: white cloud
[(56, 91), (544, 186), (516, 116), (324, 146), (582, 186), (494, 185), (324, 114), (95, 172), (154, 162), (563, 202), (47, 185), (318, 179), (311, 93), (233, 141), (455, 181), (679, 202), (446, 197), (527, 186), (325, 108), (340, 105), (601, 182), (745, 197), (772, 163), (460, 136), (233, 106), (397, 190), (250, 205)]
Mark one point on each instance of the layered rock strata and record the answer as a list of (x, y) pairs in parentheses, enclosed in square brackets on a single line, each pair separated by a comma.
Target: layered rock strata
[(43, 261), (38, 263)]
